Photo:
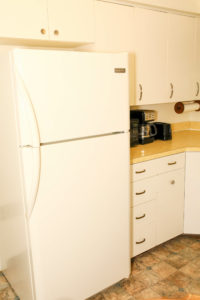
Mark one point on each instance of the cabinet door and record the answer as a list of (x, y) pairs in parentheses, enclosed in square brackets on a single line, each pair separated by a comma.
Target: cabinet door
[(170, 205), (192, 192), (113, 33), (197, 59), (113, 27), (181, 57), (23, 19), (150, 45), (71, 20)]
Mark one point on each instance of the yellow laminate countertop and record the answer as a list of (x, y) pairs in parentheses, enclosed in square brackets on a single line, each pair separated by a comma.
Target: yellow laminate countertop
[(186, 140)]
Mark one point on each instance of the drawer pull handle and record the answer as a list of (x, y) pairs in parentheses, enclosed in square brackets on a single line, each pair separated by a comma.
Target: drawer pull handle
[(139, 172), (172, 163), (173, 182), (143, 216), (141, 242), (141, 193)]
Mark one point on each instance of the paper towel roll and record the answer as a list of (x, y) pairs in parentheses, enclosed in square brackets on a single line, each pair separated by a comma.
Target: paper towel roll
[(181, 107)]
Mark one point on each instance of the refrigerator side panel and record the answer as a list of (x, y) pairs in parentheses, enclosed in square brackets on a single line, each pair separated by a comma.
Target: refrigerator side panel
[(14, 249), (80, 223), (75, 94)]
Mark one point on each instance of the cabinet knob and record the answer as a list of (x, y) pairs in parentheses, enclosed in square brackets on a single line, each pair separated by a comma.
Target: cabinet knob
[(43, 31), (56, 32), (172, 181)]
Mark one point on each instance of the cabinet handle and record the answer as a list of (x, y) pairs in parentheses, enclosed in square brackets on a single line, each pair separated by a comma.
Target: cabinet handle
[(173, 182), (141, 92), (141, 242), (172, 90), (172, 163), (56, 32), (43, 31), (143, 216), (197, 89), (139, 172), (141, 193)]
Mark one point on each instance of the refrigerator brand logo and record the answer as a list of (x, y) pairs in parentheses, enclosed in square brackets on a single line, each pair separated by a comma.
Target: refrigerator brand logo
[(120, 70)]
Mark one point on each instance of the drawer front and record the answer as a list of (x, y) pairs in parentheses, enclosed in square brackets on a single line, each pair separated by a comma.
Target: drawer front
[(171, 162), (143, 170), (144, 240), (156, 166), (143, 215), (143, 191), (143, 227)]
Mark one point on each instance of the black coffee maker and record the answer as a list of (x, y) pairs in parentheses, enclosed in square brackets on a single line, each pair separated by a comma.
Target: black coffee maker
[(146, 130), (134, 133)]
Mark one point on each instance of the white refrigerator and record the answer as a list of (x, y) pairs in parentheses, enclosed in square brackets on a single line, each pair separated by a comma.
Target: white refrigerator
[(65, 172)]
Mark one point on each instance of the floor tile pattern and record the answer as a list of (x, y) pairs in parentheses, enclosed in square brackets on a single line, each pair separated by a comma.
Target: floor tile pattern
[(6, 292), (171, 270)]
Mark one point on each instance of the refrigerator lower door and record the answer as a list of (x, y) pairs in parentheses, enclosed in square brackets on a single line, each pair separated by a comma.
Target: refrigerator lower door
[(79, 227)]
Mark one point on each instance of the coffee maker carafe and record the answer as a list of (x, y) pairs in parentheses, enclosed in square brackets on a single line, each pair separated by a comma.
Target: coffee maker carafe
[(146, 130)]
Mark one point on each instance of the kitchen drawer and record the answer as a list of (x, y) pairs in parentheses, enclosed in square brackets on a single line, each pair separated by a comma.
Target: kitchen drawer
[(143, 191), (144, 240), (143, 170), (143, 227), (171, 162), (143, 215), (156, 166)]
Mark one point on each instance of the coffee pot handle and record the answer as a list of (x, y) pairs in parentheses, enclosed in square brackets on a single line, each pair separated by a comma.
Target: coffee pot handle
[(154, 129)]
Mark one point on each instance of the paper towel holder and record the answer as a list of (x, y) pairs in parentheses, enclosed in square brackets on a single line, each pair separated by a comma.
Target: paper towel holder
[(179, 107)]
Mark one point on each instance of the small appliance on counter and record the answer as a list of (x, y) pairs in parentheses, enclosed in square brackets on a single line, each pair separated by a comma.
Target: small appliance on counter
[(146, 130), (164, 131), (134, 134)]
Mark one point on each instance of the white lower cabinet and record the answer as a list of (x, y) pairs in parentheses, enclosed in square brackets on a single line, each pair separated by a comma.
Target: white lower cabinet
[(192, 193), (170, 205), (157, 202)]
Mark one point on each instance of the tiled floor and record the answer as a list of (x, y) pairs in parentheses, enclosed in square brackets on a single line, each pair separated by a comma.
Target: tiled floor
[(6, 293), (171, 270)]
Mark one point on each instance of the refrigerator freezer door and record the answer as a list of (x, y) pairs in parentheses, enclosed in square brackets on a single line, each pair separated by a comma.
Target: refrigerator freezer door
[(79, 227), (75, 94)]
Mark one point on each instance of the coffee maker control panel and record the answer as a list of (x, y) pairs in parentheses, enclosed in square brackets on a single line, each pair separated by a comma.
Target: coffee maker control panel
[(150, 115), (143, 115)]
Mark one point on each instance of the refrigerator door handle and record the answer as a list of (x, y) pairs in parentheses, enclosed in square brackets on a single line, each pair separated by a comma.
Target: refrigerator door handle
[(31, 158), (35, 180), (25, 105)]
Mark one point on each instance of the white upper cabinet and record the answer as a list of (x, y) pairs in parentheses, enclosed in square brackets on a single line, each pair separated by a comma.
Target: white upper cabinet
[(114, 33), (71, 20), (23, 19), (181, 57), (113, 27), (150, 45), (197, 59)]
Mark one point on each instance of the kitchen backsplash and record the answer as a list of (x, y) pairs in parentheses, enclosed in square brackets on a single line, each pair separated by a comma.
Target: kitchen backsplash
[(166, 113)]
